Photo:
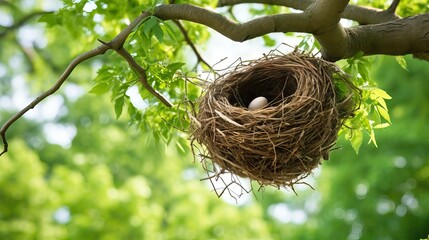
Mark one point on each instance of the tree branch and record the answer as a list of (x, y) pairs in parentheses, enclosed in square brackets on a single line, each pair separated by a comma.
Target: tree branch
[(324, 15), (400, 37), (393, 6), (321, 18), (78, 60), (391, 37), (291, 22), (190, 43), (116, 44), (143, 78), (362, 15)]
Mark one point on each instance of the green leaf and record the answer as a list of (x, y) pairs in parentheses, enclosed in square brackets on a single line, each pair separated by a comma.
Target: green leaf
[(402, 62), (356, 140), (51, 19), (382, 102), (317, 44), (382, 125), (174, 67), (159, 34), (149, 24), (100, 88), (372, 138), (358, 55), (170, 32), (268, 41), (383, 112), (363, 71), (381, 93), (119, 104)]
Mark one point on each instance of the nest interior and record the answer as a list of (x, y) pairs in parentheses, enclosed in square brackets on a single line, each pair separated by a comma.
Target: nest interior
[(280, 144), (276, 88)]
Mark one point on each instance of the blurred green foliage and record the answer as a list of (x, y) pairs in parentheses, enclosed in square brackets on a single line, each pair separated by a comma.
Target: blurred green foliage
[(126, 173)]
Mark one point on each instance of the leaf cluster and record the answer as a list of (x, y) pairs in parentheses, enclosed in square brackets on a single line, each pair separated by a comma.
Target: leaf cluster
[(373, 112), (154, 45)]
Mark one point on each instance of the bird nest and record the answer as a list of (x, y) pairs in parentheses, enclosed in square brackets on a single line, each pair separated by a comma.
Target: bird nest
[(281, 143)]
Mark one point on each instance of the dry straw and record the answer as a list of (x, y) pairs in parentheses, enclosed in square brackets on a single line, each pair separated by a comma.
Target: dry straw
[(281, 144)]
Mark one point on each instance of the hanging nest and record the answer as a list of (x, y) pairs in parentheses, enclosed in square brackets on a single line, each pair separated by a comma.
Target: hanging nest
[(280, 144)]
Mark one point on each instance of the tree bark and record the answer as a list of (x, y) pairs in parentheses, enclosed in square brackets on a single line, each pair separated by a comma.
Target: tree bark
[(397, 37), (400, 37), (239, 32), (362, 15)]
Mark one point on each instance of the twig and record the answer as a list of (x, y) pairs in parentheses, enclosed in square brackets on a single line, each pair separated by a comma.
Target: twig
[(393, 6), (143, 78), (191, 44), (116, 44)]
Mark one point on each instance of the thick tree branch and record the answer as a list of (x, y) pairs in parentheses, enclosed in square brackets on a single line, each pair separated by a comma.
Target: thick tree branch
[(399, 37), (359, 14), (292, 22), (324, 15), (321, 19), (337, 43)]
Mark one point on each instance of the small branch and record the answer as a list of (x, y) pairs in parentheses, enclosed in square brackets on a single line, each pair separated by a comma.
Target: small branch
[(190, 43), (393, 6), (143, 78), (140, 71), (116, 44), (21, 22), (78, 60)]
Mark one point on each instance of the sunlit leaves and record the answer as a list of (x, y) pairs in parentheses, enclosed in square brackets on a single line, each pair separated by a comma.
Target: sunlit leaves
[(202, 3), (308, 44), (114, 79), (118, 98), (269, 41), (373, 111), (258, 10), (401, 61)]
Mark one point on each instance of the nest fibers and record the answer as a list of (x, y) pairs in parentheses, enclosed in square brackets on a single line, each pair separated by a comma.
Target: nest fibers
[(280, 144)]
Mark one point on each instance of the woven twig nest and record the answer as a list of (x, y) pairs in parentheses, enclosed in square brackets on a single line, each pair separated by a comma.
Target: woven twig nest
[(283, 142)]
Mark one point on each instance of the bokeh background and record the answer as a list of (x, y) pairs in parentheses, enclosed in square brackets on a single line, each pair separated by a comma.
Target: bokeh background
[(74, 171)]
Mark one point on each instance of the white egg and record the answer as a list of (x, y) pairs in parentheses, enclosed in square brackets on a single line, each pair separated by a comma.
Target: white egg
[(258, 103)]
